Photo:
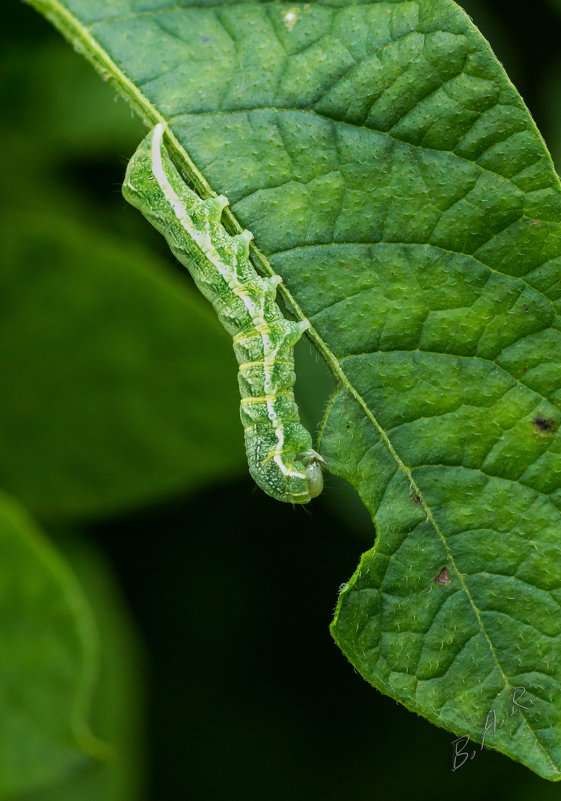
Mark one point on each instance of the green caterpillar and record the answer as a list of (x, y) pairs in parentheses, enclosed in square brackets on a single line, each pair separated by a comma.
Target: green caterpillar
[(279, 448)]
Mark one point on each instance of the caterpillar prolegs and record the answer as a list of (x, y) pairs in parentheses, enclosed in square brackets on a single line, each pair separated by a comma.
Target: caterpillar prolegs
[(279, 449)]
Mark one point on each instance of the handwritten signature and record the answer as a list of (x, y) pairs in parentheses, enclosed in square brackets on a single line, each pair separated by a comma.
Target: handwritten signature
[(461, 753)]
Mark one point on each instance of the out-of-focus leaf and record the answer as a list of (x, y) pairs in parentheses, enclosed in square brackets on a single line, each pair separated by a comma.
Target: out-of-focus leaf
[(117, 704), (76, 116), (118, 385), (48, 661)]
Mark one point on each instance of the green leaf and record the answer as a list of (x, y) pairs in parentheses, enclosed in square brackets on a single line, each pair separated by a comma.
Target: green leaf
[(113, 371), (392, 175), (49, 653), (77, 118), (117, 704)]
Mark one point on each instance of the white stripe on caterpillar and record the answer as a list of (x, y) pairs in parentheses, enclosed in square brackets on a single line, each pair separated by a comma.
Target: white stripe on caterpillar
[(279, 449)]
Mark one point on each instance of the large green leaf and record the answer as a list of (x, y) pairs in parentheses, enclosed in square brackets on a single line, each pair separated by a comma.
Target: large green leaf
[(49, 661), (392, 175)]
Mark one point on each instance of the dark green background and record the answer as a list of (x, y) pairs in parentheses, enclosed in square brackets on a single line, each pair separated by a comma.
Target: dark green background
[(248, 697)]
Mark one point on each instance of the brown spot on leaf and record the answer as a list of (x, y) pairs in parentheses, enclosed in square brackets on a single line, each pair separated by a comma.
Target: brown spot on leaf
[(415, 498), (544, 424), (443, 577)]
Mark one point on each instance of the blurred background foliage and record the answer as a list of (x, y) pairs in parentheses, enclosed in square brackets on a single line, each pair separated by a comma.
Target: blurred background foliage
[(158, 639)]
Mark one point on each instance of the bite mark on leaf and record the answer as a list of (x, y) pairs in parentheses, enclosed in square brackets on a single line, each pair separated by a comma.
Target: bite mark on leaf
[(443, 578), (544, 425)]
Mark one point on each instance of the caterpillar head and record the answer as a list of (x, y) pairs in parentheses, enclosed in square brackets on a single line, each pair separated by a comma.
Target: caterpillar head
[(313, 462)]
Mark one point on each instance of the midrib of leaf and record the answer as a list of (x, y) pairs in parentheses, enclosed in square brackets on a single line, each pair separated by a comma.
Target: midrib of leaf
[(83, 41)]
